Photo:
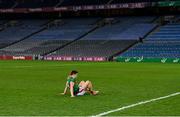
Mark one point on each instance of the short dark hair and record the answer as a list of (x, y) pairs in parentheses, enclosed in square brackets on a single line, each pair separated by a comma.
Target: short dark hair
[(73, 72)]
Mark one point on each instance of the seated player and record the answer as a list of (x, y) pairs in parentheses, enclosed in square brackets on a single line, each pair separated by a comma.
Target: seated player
[(78, 89)]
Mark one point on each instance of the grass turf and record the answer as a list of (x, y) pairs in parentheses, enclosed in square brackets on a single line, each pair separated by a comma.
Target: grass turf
[(31, 88)]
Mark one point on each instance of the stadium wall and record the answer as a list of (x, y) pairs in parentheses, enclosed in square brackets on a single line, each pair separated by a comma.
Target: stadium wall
[(142, 59)]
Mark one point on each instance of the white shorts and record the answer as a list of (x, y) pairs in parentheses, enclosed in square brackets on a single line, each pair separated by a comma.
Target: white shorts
[(81, 91)]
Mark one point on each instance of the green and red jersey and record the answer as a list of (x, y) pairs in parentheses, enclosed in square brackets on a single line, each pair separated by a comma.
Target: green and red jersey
[(76, 87)]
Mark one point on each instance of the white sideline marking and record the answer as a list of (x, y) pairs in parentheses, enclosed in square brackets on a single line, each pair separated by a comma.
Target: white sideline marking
[(136, 104)]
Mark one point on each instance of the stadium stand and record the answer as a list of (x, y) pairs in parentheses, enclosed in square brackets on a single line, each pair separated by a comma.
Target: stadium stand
[(107, 41), (155, 49), (64, 36), (94, 48), (55, 36), (37, 3), (18, 30), (7, 3), (83, 2), (58, 3), (167, 32), (69, 30), (110, 38), (126, 28), (164, 42)]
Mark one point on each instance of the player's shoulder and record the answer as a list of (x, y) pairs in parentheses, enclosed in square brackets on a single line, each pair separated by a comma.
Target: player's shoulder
[(71, 79)]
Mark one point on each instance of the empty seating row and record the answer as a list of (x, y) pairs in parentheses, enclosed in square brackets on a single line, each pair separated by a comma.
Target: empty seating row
[(94, 48), (53, 37), (69, 30), (30, 48), (167, 32), (155, 49), (127, 28), (163, 42), (20, 29), (104, 41)]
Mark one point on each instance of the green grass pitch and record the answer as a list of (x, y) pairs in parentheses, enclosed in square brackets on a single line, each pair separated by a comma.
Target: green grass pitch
[(31, 88)]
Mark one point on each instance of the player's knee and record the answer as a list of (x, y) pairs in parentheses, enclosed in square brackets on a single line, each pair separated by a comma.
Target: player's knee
[(88, 82)]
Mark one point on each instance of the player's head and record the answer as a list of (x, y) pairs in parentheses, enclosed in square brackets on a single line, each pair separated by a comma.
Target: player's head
[(74, 73)]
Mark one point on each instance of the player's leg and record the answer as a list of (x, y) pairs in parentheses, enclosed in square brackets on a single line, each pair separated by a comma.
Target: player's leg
[(86, 87), (89, 87), (82, 91), (81, 84)]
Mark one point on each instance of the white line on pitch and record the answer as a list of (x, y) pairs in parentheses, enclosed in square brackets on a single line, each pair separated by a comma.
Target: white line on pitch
[(139, 103)]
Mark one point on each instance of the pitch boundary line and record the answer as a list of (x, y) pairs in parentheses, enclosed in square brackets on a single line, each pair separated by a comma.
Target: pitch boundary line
[(138, 103)]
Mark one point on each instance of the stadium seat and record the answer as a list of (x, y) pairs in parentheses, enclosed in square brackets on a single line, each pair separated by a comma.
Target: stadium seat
[(163, 43)]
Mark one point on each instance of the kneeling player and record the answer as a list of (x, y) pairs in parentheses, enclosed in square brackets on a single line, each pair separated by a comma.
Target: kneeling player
[(78, 89)]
